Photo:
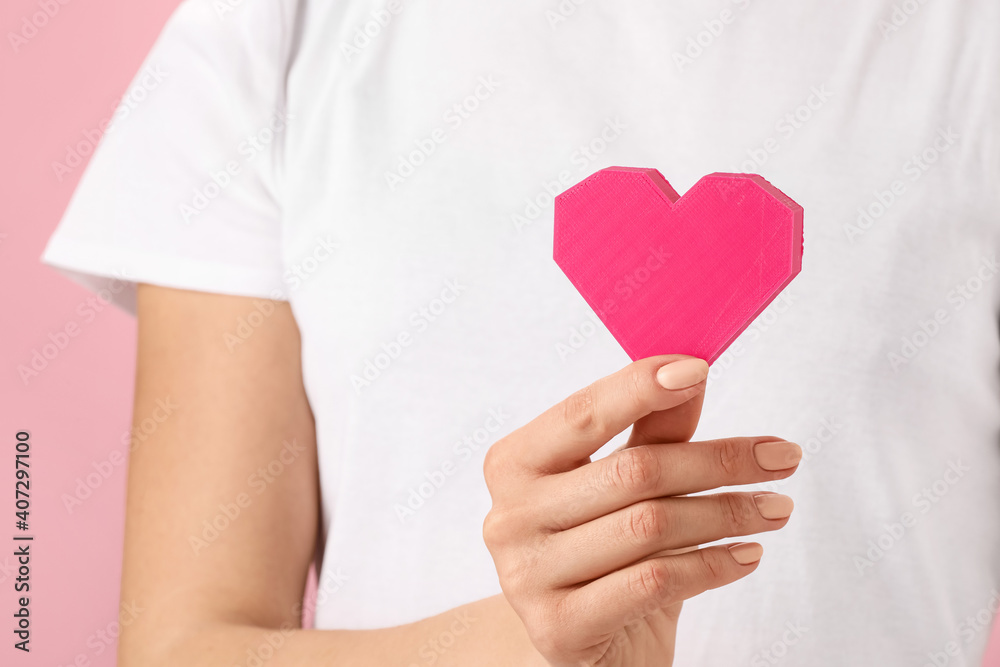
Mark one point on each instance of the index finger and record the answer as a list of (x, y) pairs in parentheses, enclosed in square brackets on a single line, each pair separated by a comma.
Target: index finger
[(564, 436)]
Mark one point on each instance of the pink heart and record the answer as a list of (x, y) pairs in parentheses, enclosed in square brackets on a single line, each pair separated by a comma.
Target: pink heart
[(677, 275)]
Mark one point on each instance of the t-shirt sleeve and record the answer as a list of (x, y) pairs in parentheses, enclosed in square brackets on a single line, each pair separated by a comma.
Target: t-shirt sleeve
[(183, 188)]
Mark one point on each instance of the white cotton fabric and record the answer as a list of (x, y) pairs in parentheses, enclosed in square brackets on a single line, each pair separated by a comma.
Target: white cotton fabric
[(388, 168)]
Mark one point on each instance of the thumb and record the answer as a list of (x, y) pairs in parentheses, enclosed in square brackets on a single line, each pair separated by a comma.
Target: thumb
[(676, 424)]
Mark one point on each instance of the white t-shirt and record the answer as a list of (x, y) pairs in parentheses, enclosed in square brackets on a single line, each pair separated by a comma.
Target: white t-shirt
[(389, 168)]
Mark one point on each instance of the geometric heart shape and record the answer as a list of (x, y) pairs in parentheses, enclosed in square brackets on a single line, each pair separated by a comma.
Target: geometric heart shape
[(677, 275)]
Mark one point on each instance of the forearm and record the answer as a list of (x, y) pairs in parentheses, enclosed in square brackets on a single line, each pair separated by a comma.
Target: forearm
[(234, 599), (485, 633)]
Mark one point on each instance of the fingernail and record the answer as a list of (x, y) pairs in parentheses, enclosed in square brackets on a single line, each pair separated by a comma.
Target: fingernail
[(746, 552), (682, 374), (774, 505), (777, 455)]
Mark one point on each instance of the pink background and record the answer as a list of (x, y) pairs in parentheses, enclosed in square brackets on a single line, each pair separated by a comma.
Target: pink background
[(63, 82)]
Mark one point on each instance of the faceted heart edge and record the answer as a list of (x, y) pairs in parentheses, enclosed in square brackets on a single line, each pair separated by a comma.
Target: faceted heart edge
[(660, 185)]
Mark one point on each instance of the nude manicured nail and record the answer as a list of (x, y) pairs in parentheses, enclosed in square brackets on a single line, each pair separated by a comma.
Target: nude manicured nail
[(682, 374), (746, 552), (774, 505), (778, 455)]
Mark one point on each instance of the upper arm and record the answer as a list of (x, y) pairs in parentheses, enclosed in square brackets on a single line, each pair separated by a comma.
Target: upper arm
[(223, 501)]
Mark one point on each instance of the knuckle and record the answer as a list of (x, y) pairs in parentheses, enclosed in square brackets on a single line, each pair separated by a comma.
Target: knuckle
[(636, 470), (520, 554), (579, 412), (490, 530), (643, 523), (731, 456), (652, 580), (713, 566), (497, 529), (638, 384), (737, 511), (499, 466), (491, 464)]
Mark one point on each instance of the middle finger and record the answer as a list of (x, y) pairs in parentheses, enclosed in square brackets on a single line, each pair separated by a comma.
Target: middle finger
[(634, 474), (629, 535)]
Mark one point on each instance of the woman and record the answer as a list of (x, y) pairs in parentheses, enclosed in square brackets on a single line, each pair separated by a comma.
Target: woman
[(338, 219)]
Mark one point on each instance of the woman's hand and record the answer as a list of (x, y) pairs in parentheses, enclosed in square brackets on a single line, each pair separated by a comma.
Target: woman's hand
[(597, 557)]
